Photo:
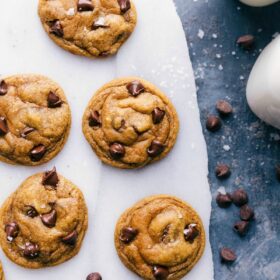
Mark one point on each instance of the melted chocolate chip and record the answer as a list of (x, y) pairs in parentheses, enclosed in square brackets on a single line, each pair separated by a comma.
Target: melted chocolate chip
[(223, 200), (53, 100), (71, 238), (246, 42), (160, 272), (227, 255), (246, 213), (94, 119), (241, 227), (213, 123), (37, 153), (12, 231), (94, 276), (85, 5), (222, 171), (26, 131), (224, 108), (239, 197), (31, 250), (124, 5), (49, 219), (128, 234), (56, 28), (135, 88), (158, 115), (50, 178), (191, 232), (3, 126), (3, 88), (155, 149), (117, 151), (31, 212)]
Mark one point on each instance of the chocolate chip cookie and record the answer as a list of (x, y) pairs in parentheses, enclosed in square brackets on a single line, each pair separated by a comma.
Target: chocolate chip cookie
[(160, 237), (130, 123), (44, 222), (2, 277), (35, 119), (93, 28)]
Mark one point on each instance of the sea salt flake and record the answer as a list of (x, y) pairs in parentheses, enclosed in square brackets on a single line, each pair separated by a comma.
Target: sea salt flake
[(200, 34), (226, 147)]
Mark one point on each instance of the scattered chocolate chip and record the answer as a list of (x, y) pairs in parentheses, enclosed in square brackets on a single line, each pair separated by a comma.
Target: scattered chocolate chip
[(37, 153), (246, 213), (85, 5), (160, 272), (94, 276), (49, 219), (53, 100), (124, 5), (50, 178), (246, 42), (222, 171), (241, 227), (277, 168), (56, 28), (3, 88), (31, 250), (128, 234), (26, 131), (224, 108), (223, 200), (239, 197), (191, 232), (158, 115), (135, 88), (155, 149), (12, 231), (71, 238), (31, 212), (227, 255), (94, 119), (213, 123), (117, 151), (3, 126)]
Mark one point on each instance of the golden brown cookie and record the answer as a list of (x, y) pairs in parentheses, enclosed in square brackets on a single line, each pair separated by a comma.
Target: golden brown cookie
[(130, 123), (35, 119), (161, 237), (44, 222), (88, 27), (2, 277)]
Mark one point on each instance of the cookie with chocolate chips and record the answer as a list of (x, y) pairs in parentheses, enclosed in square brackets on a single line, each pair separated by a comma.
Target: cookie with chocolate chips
[(160, 237), (2, 277), (43, 223), (35, 119), (130, 123), (93, 28)]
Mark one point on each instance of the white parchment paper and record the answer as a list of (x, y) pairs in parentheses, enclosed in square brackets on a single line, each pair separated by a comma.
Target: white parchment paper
[(158, 52)]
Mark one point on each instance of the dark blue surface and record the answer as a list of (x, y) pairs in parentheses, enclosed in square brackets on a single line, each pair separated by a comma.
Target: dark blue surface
[(254, 146)]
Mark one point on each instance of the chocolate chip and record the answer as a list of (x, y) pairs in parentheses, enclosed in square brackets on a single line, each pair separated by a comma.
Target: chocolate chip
[(224, 108), (37, 153), (128, 234), (213, 123), (191, 232), (239, 197), (3, 126), (3, 88), (135, 88), (12, 231), (246, 213), (26, 131), (94, 276), (85, 5), (56, 28), (277, 169), (160, 272), (49, 219), (54, 100), (124, 5), (223, 200), (155, 149), (31, 250), (227, 255), (117, 151), (104, 54), (94, 119), (71, 238), (222, 171), (246, 42), (241, 227), (31, 212), (158, 115), (50, 178), (99, 23)]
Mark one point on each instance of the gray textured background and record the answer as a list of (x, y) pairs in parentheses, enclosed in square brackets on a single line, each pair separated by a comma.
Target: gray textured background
[(221, 71)]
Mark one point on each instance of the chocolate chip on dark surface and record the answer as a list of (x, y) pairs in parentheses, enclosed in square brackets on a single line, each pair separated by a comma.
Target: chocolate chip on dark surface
[(160, 272), (246, 42), (277, 169), (158, 115), (155, 149), (12, 231), (26, 131), (128, 234), (191, 232), (241, 227), (71, 238), (85, 5), (222, 171), (246, 213), (49, 219), (3, 126), (239, 197), (117, 151), (94, 276), (227, 255), (53, 100), (56, 28), (31, 250), (223, 200), (37, 153), (31, 212), (124, 5), (3, 88), (213, 123), (135, 88), (224, 108), (94, 119), (50, 178)]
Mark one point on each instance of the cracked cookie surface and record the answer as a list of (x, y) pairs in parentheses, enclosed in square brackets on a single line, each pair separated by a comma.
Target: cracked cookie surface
[(130, 123), (90, 28), (43, 222), (35, 119), (2, 277), (160, 237)]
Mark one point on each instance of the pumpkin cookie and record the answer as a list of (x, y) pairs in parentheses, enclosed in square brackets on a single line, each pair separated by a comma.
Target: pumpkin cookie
[(161, 237), (88, 27), (35, 119), (130, 123), (44, 222)]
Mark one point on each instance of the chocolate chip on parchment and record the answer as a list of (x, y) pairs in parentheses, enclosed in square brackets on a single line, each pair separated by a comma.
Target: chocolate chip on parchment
[(223, 200), (31, 212), (50, 178), (135, 88), (3, 126), (241, 227), (191, 232), (124, 5), (239, 197), (85, 6), (128, 234), (37, 153), (54, 100), (12, 231), (94, 276), (3, 88), (227, 255), (224, 108), (31, 250), (160, 272), (222, 171), (49, 219), (26, 131), (158, 115), (213, 123), (94, 119), (56, 28), (155, 149), (246, 213), (246, 42), (71, 238), (117, 151)]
